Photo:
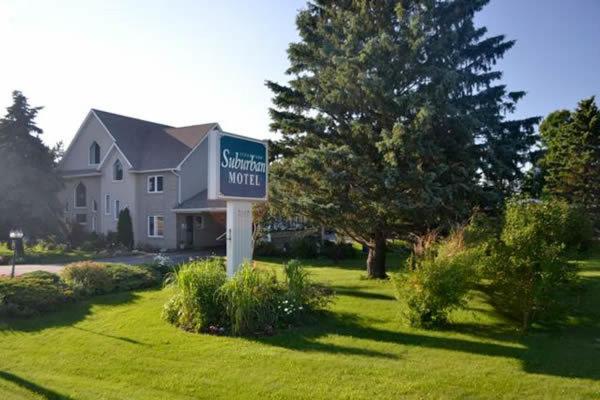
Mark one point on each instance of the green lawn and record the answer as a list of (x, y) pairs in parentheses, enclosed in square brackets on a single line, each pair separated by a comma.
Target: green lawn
[(117, 347), (40, 255)]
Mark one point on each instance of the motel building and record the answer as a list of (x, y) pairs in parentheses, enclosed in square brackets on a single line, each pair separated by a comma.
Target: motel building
[(188, 187)]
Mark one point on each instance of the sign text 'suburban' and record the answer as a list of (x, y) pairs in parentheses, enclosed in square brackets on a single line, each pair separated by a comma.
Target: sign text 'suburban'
[(247, 165)]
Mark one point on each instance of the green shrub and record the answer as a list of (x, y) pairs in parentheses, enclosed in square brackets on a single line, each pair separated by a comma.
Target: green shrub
[(32, 294), (438, 278), (301, 290), (250, 298), (129, 277), (266, 249), (578, 232), (306, 247), (526, 267), (338, 251), (87, 278), (195, 305), (125, 229), (433, 289)]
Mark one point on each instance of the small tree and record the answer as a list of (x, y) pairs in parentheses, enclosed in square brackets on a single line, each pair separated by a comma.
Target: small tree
[(125, 229)]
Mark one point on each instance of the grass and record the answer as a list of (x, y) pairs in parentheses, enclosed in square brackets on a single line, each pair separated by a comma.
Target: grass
[(40, 255), (116, 347)]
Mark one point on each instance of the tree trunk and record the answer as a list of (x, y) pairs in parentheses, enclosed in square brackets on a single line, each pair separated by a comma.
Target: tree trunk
[(376, 259)]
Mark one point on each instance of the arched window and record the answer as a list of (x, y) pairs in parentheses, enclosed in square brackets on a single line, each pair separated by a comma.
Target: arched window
[(117, 171), (80, 195), (94, 154)]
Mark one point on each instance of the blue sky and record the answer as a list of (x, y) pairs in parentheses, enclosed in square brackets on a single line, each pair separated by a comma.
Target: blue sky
[(189, 62)]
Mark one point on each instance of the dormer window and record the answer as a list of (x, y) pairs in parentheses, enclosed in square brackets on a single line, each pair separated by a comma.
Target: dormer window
[(117, 171), (94, 154)]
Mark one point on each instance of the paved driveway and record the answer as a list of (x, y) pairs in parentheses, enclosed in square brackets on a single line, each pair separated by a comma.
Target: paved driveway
[(142, 258)]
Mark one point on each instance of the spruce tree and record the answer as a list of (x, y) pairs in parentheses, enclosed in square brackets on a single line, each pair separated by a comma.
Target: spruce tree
[(393, 120), (571, 162), (125, 229), (29, 183)]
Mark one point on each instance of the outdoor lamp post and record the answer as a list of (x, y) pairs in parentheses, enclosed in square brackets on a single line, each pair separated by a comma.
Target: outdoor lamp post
[(15, 235)]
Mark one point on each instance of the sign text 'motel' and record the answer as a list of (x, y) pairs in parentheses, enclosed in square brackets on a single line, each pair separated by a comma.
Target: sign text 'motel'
[(242, 168)]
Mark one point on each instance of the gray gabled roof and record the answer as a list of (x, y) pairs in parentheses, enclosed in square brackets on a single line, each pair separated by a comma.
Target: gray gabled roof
[(200, 201), (150, 145)]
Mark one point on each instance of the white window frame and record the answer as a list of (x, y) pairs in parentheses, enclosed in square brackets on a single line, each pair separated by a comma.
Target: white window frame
[(75, 206), (153, 234), (94, 205), (114, 172), (199, 226), (90, 163), (81, 223), (107, 205), (155, 178), (115, 212)]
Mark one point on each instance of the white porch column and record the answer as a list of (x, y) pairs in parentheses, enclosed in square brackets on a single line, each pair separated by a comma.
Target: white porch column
[(239, 234)]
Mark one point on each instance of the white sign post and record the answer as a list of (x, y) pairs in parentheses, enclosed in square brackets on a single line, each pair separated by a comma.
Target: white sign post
[(238, 174)]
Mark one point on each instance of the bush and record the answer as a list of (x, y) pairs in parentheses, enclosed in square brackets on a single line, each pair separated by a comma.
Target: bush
[(88, 278), (338, 251), (195, 305), (31, 294), (306, 247), (526, 267), (266, 249), (125, 229), (251, 302), (300, 295), (250, 299), (131, 277), (578, 230), (438, 280)]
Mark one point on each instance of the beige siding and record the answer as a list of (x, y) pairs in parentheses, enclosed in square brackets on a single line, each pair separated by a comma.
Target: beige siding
[(124, 191), (157, 204), (78, 156), (194, 172), (67, 196)]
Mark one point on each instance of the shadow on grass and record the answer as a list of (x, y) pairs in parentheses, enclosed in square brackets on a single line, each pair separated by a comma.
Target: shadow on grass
[(354, 292), (65, 316), (32, 387), (570, 350), (106, 335)]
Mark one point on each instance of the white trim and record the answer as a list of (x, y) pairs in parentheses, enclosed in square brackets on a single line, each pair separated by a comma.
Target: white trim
[(154, 223), (99, 150), (198, 145), (81, 175), (149, 171), (112, 146), (112, 171), (178, 186), (102, 123), (156, 191), (81, 223), (76, 137), (107, 205), (198, 210), (115, 213)]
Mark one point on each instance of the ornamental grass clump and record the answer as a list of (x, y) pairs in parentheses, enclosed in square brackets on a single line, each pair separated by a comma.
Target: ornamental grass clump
[(196, 305), (251, 303), (250, 299)]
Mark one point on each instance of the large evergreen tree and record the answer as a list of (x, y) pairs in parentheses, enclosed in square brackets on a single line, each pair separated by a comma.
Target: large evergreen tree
[(28, 181), (571, 161), (393, 121)]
